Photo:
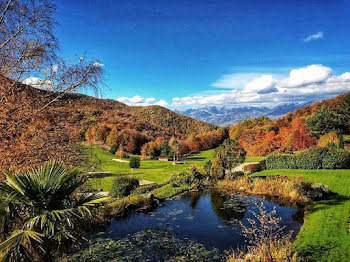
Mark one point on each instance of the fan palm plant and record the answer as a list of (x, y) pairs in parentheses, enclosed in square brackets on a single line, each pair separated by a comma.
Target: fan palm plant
[(42, 213)]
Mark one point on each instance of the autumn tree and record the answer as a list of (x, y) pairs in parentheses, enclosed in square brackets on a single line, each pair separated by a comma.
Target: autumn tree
[(229, 155), (193, 143), (149, 149), (120, 152), (29, 54), (159, 140), (330, 138)]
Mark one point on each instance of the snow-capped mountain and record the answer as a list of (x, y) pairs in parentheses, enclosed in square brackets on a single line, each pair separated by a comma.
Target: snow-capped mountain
[(227, 116)]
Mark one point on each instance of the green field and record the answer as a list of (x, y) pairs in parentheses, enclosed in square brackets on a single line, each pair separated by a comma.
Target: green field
[(324, 235), (251, 159), (151, 170)]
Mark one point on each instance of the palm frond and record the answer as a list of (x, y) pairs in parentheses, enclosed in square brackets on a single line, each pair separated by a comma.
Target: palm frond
[(18, 240)]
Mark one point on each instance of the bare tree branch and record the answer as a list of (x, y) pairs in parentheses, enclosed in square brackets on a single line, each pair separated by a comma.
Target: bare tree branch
[(5, 11)]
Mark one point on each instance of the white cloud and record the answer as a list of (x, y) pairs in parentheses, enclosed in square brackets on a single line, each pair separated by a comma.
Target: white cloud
[(98, 64), (313, 82), (37, 82), (313, 37), (262, 85), (161, 103), (232, 81), (141, 101), (307, 75)]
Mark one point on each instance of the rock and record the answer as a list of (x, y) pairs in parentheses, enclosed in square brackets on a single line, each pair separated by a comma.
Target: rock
[(318, 192), (154, 201), (150, 196)]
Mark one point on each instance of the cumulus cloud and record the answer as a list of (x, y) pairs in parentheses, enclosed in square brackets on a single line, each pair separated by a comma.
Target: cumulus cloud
[(313, 37), (37, 82), (262, 85), (311, 74), (313, 82), (141, 101), (98, 64)]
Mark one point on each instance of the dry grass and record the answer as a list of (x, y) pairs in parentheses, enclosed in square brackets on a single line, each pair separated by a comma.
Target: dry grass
[(279, 187), (272, 251)]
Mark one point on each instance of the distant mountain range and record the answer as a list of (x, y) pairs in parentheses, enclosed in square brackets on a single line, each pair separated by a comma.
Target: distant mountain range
[(227, 116)]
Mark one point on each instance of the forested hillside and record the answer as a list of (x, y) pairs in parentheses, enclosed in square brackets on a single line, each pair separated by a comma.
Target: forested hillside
[(168, 119), (296, 131), (31, 133)]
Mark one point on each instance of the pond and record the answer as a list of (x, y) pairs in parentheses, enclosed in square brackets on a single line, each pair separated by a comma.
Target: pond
[(207, 217)]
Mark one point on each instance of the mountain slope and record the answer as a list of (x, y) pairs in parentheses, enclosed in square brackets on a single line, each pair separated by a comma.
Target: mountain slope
[(174, 122), (29, 135)]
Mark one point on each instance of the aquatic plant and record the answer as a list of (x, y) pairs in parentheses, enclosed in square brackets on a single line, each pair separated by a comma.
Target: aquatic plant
[(147, 245)]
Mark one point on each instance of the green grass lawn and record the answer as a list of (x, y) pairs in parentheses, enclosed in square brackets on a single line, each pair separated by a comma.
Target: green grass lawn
[(151, 170), (324, 236), (251, 159)]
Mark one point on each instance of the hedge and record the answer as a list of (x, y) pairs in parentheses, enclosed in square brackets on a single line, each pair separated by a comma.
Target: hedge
[(313, 158), (336, 159), (284, 161)]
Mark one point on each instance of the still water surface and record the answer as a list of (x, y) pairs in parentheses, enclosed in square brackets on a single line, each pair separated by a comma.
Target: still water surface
[(207, 217)]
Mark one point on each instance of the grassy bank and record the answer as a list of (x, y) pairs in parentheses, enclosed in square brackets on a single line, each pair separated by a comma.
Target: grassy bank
[(151, 170), (324, 235)]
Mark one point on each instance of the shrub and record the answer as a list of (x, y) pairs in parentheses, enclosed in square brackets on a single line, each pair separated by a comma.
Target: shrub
[(113, 149), (229, 155), (311, 158), (123, 185), (134, 162), (262, 164), (266, 240), (207, 167), (285, 161), (251, 168), (234, 175), (336, 159)]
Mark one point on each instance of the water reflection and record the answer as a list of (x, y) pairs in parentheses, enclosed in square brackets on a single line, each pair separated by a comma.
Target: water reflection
[(207, 217)]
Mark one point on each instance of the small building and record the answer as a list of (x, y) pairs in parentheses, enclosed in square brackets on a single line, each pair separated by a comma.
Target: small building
[(163, 158)]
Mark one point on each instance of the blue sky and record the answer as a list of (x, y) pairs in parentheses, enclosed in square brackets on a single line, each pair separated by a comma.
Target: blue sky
[(195, 53)]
